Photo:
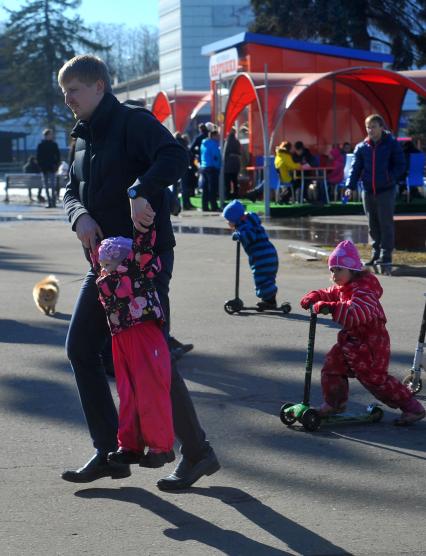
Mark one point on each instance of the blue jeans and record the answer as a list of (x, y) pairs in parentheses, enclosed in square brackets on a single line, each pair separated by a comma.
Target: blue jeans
[(49, 179), (87, 335), (210, 189)]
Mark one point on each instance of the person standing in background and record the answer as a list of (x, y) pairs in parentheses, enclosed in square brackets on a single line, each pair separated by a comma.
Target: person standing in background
[(232, 162), (49, 158), (379, 162), (210, 167)]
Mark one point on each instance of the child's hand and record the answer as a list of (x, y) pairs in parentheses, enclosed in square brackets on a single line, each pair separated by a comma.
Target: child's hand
[(309, 299), (235, 236), (321, 307)]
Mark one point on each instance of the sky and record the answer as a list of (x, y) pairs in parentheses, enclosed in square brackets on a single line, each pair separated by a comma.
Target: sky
[(130, 12)]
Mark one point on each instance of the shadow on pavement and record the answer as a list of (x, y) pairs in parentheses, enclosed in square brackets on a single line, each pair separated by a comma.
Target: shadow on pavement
[(290, 316), (11, 260), (189, 527), (52, 333), (44, 399)]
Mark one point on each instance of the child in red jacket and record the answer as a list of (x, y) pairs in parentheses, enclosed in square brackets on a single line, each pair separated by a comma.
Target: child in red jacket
[(141, 357), (363, 346)]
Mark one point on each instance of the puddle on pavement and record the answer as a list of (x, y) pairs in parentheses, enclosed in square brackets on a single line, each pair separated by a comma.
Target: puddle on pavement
[(301, 229)]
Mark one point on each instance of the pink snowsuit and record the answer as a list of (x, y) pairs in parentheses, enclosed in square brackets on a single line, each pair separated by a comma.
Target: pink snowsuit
[(363, 346)]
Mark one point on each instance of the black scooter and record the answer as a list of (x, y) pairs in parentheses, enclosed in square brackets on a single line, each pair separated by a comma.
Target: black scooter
[(236, 305), (310, 417), (413, 380)]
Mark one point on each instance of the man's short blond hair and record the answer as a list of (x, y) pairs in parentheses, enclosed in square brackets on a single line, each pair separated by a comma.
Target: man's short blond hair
[(375, 118), (86, 68)]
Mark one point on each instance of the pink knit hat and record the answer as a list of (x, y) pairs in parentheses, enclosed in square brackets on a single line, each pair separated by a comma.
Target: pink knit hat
[(346, 256), (115, 248)]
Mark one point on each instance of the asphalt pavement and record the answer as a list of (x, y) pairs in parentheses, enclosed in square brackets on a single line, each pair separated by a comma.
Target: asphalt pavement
[(354, 489)]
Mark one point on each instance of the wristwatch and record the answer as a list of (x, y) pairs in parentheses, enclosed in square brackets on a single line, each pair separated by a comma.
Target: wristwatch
[(134, 191)]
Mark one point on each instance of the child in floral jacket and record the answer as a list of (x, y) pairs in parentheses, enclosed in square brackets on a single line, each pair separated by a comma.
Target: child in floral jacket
[(363, 345), (141, 357)]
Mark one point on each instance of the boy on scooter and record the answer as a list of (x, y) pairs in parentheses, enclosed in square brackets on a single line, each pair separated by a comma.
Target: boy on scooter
[(263, 257)]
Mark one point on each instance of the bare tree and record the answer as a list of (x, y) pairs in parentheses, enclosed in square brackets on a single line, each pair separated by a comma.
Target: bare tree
[(133, 51)]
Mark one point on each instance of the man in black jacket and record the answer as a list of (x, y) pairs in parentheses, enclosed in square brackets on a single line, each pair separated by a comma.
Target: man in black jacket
[(48, 159), (124, 161)]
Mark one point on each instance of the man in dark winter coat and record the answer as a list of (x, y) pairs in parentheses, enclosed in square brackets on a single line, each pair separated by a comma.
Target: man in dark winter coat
[(48, 159), (195, 147), (232, 163), (124, 161), (379, 162)]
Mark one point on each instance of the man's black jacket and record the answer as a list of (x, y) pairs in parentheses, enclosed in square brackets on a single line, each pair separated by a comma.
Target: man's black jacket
[(48, 155), (119, 146)]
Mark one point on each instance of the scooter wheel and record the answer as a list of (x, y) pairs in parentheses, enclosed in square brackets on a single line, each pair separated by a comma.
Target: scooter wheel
[(311, 420), (233, 306), (408, 381), (376, 415), (286, 308), (287, 417)]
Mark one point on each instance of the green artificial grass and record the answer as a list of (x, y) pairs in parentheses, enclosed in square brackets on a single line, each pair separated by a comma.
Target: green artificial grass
[(307, 209)]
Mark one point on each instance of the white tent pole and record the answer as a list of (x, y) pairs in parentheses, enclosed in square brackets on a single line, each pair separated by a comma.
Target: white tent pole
[(266, 187)]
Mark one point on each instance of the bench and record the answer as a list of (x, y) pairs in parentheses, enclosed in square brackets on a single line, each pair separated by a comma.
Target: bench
[(29, 181), (19, 181)]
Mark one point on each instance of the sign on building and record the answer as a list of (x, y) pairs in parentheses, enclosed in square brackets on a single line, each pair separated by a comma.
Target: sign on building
[(224, 64)]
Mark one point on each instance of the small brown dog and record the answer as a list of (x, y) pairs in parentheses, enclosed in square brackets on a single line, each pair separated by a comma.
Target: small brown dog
[(46, 293)]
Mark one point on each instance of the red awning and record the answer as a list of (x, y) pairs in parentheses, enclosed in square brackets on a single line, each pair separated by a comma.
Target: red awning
[(181, 105), (383, 89)]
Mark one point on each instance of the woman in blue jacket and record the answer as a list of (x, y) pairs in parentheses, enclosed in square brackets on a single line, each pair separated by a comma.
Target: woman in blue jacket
[(210, 167)]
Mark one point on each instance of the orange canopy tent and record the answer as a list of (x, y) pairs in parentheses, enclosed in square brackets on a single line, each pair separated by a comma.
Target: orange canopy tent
[(318, 108), (377, 89), (180, 105)]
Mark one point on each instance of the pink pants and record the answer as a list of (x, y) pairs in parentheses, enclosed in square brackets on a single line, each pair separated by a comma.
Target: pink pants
[(143, 374), (365, 357)]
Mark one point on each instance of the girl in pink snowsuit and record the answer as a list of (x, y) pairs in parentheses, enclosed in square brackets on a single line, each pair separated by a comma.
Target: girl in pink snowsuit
[(140, 353), (363, 346)]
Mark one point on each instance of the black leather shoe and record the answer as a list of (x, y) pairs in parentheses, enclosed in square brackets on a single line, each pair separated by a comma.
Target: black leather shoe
[(96, 468), (124, 457), (252, 195), (175, 344), (384, 261), (177, 349), (187, 473), (373, 260), (157, 459)]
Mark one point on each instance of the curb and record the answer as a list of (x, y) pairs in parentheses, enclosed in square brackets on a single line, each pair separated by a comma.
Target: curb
[(309, 251)]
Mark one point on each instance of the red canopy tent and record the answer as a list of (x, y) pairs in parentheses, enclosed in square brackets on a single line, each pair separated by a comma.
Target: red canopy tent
[(318, 108), (316, 105), (181, 105)]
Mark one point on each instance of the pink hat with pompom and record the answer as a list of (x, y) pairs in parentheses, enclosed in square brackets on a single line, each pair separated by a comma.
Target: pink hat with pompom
[(345, 255)]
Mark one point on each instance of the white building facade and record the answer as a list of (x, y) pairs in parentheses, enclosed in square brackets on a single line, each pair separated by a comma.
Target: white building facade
[(186, 26)]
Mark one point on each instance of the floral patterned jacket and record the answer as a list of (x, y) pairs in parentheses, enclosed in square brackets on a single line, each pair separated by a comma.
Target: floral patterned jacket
[(128, 294)]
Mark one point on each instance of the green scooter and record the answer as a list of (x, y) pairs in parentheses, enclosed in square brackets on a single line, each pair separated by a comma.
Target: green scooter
[(310, 417)]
